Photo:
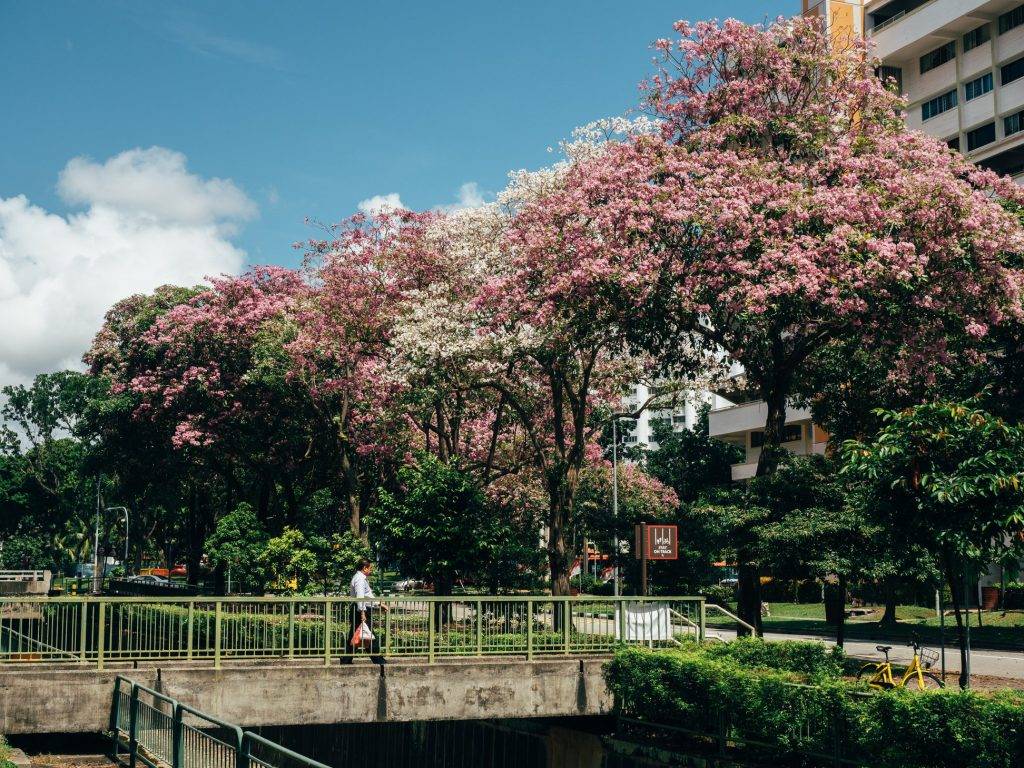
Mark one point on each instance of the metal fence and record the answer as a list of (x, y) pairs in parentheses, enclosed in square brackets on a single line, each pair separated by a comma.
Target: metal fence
[(153, 729), (122, 629)]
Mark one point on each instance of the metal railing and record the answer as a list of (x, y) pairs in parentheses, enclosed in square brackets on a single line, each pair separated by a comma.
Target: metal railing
[(160, 732), (100, 630)]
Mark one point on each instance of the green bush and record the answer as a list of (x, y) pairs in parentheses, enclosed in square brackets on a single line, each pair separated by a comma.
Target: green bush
[(705, 688), (5, 754), (816, 660)]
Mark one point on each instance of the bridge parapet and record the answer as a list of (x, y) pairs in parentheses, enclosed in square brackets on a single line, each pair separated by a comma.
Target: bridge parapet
[(102, 630)]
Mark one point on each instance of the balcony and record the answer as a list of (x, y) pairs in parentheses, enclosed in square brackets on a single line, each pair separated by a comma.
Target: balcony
[(739, 419), (907, 28)]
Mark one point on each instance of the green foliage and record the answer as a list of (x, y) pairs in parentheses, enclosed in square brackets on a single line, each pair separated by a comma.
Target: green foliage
[(689, 461), (5, 754), (950, 473), (237, 542), (816, 660), (760, 694), (287, 561), (336, 559), (440, 526)]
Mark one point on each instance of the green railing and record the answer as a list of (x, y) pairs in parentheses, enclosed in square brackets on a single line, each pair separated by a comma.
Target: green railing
[(102, 630), (153, 729)]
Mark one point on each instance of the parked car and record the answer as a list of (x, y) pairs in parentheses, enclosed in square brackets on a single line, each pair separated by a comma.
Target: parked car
[(148, 578), (406, 585)]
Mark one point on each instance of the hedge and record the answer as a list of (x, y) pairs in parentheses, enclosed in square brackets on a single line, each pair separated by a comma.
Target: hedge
[(5, 754), (700, 689)]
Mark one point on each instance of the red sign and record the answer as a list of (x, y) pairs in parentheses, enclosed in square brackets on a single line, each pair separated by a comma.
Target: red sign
[(661, 541)]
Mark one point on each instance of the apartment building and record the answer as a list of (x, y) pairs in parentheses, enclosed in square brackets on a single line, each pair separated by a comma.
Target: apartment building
[(681, 412), (960, 63), (743, 425)]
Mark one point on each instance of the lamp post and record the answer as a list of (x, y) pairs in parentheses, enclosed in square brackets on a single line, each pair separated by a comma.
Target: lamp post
[(124, 511), (97, 578), (615, 492)]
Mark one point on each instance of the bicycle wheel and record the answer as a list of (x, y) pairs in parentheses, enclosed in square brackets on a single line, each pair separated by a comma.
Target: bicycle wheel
[(866, 673), (931, 682)]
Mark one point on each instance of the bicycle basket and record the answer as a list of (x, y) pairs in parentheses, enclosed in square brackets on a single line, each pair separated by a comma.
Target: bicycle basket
[(928, 658)]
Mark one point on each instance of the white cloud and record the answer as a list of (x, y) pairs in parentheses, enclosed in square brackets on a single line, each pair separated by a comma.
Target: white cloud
[(470, 196), (146, 221), (380, 203)]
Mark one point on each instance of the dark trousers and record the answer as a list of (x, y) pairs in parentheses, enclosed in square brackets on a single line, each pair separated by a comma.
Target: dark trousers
[(357, 620)]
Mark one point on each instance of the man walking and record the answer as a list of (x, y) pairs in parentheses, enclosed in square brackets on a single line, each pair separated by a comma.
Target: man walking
[(362, 613)]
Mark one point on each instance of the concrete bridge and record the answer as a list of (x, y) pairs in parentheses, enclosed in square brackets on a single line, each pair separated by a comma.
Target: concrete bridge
[(51, 699), (276, 661)]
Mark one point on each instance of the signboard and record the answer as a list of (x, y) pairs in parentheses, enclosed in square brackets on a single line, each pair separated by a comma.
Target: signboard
[(660, 542)]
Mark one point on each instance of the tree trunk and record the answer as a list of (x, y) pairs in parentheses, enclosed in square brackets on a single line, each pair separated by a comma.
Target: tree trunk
[(557, 552), (748, 605), (749, 598), (960, 634), (841, 617), (889, 593)]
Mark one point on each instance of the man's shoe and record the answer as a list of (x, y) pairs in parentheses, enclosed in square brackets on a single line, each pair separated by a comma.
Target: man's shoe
[(346, 659), (378, 660)]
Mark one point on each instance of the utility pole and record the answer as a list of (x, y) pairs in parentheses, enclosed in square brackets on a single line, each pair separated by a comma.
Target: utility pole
[(97, 578), (615, 504), (615, 492)]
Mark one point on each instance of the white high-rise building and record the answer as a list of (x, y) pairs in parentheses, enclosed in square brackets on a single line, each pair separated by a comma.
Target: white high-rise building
[(960, 64), (683, 413)]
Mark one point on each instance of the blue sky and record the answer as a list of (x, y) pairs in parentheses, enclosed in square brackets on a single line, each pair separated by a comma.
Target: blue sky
[(311, 107), (144, 143)]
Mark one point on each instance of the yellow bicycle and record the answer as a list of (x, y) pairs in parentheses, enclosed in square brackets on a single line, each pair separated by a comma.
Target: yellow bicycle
[(878, 674)]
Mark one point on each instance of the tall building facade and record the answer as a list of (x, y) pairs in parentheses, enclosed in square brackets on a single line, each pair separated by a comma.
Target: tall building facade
[(960, 64)]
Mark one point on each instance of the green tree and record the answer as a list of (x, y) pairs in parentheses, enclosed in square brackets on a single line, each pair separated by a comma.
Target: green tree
[(287, 560), (236, 543), (950, 476), (438, 525), (690, 462), (336, 556)]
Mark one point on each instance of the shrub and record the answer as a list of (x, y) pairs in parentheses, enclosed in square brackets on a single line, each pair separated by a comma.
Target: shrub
[(815, 660), (5, 754), (704, 688)]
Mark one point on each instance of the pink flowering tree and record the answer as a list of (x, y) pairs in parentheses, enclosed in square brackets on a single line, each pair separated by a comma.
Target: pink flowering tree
[(343, 352), (783, 207), (199, 390)]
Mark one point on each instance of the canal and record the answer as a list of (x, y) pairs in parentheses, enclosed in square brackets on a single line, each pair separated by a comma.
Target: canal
[(551, 743)]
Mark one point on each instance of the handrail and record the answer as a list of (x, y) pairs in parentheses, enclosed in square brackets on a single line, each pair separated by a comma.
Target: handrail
[(347, 599), (733, 616), (105, 630), (145, 744)]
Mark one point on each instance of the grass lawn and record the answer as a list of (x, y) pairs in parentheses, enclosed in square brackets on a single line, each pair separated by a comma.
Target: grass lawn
[(997, 630)]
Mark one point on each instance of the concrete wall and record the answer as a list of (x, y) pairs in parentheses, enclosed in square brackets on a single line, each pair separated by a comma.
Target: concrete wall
[(71, 700)]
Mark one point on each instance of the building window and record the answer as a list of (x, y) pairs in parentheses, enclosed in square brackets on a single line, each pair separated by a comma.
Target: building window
[(885, 72), (954, 143), (938, 105), (791, 434), (1011, 19), (1012, 123), (1012, 71), (977, 37), (979, 137), (938, 57), (978, 87)]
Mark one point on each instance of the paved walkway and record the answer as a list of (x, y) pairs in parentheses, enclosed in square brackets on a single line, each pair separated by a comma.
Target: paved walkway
[(983, 662)]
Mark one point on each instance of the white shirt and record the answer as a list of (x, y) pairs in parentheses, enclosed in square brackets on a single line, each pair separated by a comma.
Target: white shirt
[(360, 587)]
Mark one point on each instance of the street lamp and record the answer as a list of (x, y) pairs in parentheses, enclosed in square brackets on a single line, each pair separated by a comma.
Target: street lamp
[(124, 510), (615, 491)]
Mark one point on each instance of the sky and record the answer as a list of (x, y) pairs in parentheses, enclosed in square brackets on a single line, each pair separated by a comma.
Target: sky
[(144, 143)]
